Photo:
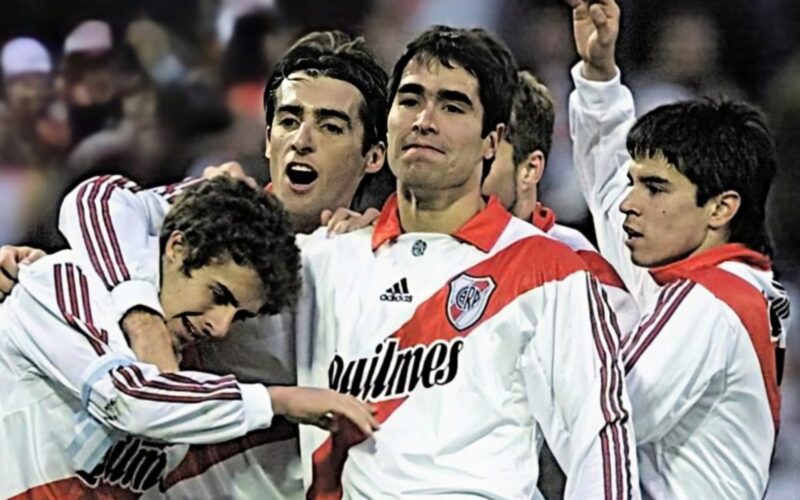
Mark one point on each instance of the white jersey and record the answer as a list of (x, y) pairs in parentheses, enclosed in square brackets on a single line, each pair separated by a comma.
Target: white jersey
[(622, 303), (472, 347), (79, 414), (701, 364), (107, 220)]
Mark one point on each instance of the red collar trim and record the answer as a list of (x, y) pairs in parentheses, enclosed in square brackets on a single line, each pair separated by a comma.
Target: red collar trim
[(482, 230), (710, 258), (543, 217)]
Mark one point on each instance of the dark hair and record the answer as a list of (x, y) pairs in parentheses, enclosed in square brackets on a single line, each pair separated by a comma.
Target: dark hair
[(244, 59), (479, 53), (223, 219), (336, 54), (719, 145), (532, 116)]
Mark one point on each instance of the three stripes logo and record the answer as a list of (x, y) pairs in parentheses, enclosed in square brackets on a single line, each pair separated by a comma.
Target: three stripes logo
[(397, 292)]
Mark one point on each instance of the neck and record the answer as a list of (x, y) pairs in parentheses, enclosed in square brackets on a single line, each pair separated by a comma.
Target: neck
[(303, 224), (437, 212), (524, 205)]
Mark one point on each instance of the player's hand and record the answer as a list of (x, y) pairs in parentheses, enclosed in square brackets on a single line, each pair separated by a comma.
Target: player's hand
[(323, 408), (232, 169), (345, 220), (596, 26), (11, 258), (150, 339)]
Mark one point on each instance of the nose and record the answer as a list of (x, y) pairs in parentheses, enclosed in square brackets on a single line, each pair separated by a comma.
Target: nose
[(302, 142), (629, 205), (218, 321), (425, 123)]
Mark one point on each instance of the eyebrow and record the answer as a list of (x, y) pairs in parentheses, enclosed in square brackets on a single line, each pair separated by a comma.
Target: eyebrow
[(653, 179), (291, 109), (323, 113), (442, 95), (454, 95), (227, 294)]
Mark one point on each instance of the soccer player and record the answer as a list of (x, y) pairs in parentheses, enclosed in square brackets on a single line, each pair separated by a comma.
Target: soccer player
[(79, 410), (678, 198), (514, 177), (473, 333), (325, 107)]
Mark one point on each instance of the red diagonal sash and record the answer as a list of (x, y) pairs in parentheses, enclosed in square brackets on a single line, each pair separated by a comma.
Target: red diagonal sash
[(515, 270)]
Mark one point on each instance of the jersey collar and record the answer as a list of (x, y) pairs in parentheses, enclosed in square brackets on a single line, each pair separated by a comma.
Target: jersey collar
[(543, 217), (710, 258), (482, 230)]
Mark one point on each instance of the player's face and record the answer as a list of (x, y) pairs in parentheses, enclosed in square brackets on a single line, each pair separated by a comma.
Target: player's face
[(662, 220), (314, 145), (501, 181), (434, 129), (204, 305)]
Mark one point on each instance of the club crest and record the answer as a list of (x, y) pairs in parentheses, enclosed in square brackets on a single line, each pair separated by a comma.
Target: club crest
[(468, 299)]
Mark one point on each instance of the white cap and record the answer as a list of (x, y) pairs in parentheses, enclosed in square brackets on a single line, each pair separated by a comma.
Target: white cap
[(89, 36), (25, 55)]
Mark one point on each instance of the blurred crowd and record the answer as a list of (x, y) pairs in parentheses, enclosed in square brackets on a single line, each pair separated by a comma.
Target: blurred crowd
[(158, 90)]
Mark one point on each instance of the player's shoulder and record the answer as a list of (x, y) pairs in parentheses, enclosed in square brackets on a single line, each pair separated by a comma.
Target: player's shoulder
[(320, 246), (572, 238), (538, 252)]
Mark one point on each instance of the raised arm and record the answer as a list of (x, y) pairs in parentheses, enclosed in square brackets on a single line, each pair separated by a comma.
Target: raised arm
[(601, 112)]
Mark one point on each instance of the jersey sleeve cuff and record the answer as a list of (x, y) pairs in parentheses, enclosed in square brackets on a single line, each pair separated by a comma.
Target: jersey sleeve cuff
[(593, 93), (135, 293), (258, 411)]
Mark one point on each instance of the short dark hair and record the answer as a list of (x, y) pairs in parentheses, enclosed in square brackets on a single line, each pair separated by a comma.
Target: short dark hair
[(719, 145), (479, 53), (336, 54), (532, 116), (223, 219)]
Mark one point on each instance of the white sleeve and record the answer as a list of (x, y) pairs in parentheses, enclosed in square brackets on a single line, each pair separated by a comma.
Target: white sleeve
[(64, 333), (576, 389), (108, 221), (677, 353), (600, 116)]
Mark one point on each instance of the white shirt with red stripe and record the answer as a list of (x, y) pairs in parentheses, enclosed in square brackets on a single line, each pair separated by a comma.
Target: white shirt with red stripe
[(109, 221), (473, 347), (701, 364), (79, 414), (621, 301)]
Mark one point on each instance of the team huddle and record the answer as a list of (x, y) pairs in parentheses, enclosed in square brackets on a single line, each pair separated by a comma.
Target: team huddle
[(432, 349)]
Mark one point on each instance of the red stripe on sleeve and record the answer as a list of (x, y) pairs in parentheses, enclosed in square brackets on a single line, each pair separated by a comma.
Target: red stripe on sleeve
[(430, 323)]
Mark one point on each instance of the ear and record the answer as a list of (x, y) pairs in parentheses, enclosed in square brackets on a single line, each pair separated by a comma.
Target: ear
[(492, 141), (723, 208), (175, 250), (375, 157), (267, 143), (530, 172)]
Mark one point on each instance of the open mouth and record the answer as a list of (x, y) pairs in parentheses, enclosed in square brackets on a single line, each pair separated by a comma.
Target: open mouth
[(301, 174)]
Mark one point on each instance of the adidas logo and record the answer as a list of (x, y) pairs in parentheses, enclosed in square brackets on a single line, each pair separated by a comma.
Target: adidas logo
[(397, 292)]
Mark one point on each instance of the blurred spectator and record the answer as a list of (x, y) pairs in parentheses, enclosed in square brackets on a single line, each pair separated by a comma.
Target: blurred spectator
[(33, 128), (33, 137), (684, 62), (88, 79)]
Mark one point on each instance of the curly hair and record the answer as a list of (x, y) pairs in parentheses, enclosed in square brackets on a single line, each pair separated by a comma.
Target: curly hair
[(337, 55), (223, 219), (532, 118)]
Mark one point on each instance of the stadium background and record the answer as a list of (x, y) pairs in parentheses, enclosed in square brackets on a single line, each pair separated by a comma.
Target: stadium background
[(180, 90)]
